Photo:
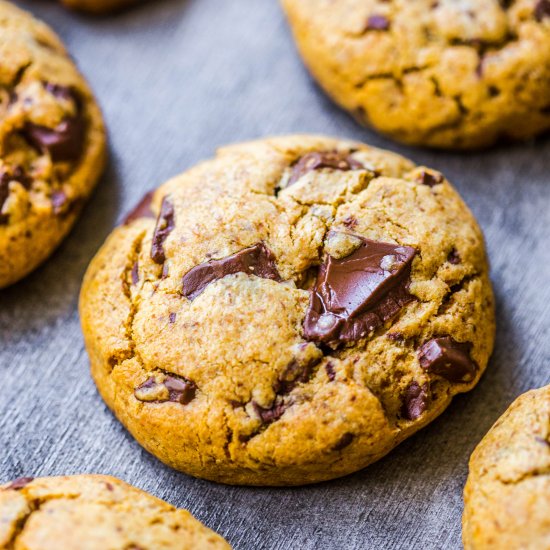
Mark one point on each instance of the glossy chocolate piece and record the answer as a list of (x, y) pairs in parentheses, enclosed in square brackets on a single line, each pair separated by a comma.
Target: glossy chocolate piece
[(256, 260), (327, 159), (448, 358)]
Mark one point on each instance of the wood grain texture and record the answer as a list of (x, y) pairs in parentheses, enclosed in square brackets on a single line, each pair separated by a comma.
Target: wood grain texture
[(176, 79)]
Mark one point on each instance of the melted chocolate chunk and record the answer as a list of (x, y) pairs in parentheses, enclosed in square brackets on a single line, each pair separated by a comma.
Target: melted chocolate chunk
[(142, 210), (357, 294), (297, 371), (415, 401), (63, 143), (345, 441), (377, 23), (19, 483), (542, 9), (135, 273), (430, 178), (454, 257), (165, 225), (174, 388), (328, 159), (268, 416), (331, 373), (448, 358), (256, 260)]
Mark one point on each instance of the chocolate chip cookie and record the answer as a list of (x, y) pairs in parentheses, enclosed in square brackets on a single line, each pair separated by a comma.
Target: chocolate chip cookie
[(98, 6), (442, 74), (507, 495), (289, 311), (92, 512), (52, 147)]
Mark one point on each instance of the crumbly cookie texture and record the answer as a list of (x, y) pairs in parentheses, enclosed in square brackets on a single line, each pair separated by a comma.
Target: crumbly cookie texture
[(98, 6), (52, 146), (94, 512), (507, 495), (289, 311), (442, 74)]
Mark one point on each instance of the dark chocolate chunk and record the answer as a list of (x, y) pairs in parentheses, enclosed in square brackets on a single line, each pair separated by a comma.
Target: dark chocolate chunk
[(20, 483), (377, 23), (135, 273), (272, 414), (174, 388), (331, 373), (142, 210), (357, 294), (59, 199), (64, 142), (454, 257), (6, 176), (430, 178), (256, 260), (296, 371), (350, 222), (327, 159), (345, 441), (172, 317), (448, 358), (165, 225), (61, 92), (415, 401), (542, 9)]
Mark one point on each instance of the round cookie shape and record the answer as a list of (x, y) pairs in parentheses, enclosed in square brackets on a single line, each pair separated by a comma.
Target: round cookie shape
[(95, 512), (52, 148), (98, 6), (289, 311), (441, 74), (507, 495)]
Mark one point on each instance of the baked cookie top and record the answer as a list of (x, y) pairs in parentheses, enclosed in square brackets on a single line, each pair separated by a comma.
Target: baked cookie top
[(288, 311), (93, 512), (443, 74), (507, 495), (52, 142)]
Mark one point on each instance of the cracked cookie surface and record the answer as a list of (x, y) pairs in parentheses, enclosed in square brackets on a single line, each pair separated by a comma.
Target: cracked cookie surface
[(289, 311), (442, 74), (52, 147), (507, 495), (94, 512)]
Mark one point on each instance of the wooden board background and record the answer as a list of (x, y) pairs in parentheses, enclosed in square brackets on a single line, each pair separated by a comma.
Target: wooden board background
[(176, 79)]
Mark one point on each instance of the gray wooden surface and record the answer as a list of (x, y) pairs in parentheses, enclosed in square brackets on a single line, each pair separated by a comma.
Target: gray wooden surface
[(176, 79)]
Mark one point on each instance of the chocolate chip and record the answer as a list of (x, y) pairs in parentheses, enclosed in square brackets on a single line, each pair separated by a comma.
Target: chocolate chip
[(297, 371), (63, 143), (542, 441), (165, 225), (135, 273), (396, 337), (350, 222), (357, 294), (430, 178), (59, 200), (19, 483), (542, 9), (377, 23), (6, 176), (448, 358), (415, 401), (453, 257), (61, 92), (331, 373), (345, 441), (256, 260), (172, 317), (316, 161), (268, 416), (173, 388), (142, 210), (109, 486)]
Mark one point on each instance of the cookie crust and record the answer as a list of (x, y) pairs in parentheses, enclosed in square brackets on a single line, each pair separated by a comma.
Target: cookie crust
[(53, 143), (95, 512), (442, 74), (507, 495), (193, 311)]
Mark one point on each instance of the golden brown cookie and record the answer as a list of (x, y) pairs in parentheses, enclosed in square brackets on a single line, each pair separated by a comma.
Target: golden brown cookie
[(507, 495), (442, 74), (289, 311), (93, 512), (52, 147), (98, 6)]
